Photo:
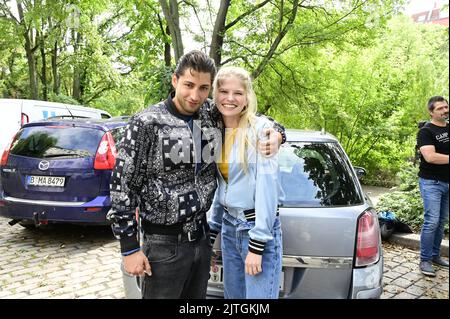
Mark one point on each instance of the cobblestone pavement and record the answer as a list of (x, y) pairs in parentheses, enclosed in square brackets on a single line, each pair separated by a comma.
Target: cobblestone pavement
[(70, 262), (403, 279), (65, 261)]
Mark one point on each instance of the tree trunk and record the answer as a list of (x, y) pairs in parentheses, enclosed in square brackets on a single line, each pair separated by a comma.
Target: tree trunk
[(40, 36), (76, 87), (7, 75), (54, 59), (56, 80), (218, 33), (173, 22), (167, 54), (31, 59), (165, 34)]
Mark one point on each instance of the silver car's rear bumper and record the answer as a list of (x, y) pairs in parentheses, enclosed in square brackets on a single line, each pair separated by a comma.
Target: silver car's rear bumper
[(130, 284), (368, 281)]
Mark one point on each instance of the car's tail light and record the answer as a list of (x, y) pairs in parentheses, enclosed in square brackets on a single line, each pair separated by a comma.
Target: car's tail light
[(24, 119), (106, 153), (368, 239), (6, 151)]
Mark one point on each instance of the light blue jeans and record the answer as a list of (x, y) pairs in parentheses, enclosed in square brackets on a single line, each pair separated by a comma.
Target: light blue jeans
[(435, 201), (237, 284)]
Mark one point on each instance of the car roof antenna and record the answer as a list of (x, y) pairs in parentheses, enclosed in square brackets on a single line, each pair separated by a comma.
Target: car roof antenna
[(67, 108)]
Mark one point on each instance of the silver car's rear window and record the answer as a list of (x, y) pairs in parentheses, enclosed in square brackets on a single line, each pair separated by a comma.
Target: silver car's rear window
[(316, 175), (57, 142)]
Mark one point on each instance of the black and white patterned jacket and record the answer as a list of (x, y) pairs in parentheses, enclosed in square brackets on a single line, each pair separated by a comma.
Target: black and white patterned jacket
[(156, 171)]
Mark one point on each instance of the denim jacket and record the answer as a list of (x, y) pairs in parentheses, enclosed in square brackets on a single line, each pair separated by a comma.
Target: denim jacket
[(257, 189)]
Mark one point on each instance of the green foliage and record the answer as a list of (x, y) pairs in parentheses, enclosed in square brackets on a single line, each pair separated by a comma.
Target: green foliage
[(407, 203), (407, 207), (117, 103), (61, 98), (160, 84), (408, 177), (358, 69), (369, 97)]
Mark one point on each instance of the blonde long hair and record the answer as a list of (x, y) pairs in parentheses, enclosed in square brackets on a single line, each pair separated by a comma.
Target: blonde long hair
[(248, 114)]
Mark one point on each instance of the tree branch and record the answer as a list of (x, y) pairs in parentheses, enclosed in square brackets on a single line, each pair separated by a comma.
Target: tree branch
[(7, 12), (198, 18), (277, 41), (242, 16), (105, 24), (97, 94), (236, 57)]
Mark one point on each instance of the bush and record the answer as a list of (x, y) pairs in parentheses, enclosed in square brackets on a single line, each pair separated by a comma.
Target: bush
[(61, 98), (407, 203), (408, 177)]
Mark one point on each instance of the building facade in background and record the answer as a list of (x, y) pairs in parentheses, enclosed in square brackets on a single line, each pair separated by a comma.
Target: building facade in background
[(437, 15)]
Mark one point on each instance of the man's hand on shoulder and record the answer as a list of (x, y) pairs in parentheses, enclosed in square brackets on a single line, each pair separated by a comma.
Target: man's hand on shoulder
[(270, 146)]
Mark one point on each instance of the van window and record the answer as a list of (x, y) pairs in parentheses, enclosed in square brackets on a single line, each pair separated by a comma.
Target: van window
[(316, 175), (57, 142), (105, 116)]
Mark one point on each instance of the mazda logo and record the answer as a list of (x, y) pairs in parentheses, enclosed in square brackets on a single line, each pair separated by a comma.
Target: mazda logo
[(43, 165)]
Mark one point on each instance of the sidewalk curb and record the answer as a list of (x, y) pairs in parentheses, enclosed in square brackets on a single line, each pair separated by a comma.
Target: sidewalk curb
[(413, 241)]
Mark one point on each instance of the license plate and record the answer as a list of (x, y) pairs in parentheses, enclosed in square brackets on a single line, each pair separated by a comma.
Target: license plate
[(216, 276), (52, 181)]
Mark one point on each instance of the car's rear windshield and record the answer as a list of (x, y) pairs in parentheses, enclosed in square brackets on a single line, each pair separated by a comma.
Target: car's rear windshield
[(316, 175), (57, 142)]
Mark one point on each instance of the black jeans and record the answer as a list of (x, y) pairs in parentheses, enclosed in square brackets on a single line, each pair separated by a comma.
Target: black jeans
[(180, 269)]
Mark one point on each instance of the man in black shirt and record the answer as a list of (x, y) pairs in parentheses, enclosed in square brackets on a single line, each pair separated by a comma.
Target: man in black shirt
[(432, 140)]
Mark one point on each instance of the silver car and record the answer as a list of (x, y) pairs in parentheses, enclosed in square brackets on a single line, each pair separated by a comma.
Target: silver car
[(331, 236)]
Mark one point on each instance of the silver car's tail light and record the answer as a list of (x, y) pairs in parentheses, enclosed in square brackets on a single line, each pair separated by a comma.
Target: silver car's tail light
[(368, 239)]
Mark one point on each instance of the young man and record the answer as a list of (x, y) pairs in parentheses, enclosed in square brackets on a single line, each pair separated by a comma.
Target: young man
[(166, 167), (432, 140)]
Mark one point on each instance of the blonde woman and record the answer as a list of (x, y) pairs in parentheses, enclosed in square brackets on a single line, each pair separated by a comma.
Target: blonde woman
[(245, 205)]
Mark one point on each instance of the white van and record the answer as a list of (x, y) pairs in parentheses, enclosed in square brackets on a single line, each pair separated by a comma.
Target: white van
[(15, 112)]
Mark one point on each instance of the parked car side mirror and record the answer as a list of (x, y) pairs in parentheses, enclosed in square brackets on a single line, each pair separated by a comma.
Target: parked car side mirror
[(360, 171)]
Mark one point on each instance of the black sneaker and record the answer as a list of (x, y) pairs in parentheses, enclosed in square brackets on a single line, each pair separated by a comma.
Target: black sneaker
[(427, 269), (440, 262)]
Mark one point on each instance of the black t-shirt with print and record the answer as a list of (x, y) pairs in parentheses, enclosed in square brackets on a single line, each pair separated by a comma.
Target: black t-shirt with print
[(431, 134)]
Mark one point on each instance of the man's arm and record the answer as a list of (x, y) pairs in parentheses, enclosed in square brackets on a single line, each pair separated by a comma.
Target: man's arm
[(127, 180), (278, 128), (431, 156)]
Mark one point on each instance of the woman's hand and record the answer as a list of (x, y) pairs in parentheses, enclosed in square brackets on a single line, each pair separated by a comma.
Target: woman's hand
[(253, 264)]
